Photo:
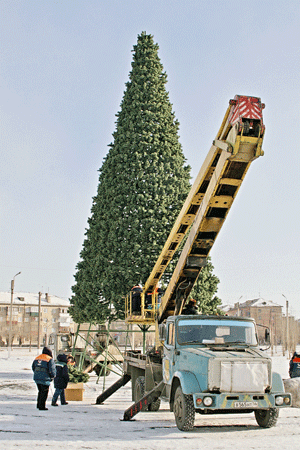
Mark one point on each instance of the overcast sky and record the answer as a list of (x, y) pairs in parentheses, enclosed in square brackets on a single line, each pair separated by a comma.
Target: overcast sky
[(64, 65)]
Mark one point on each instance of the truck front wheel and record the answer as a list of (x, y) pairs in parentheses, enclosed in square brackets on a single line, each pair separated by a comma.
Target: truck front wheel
[(184, 410), (266, 418)]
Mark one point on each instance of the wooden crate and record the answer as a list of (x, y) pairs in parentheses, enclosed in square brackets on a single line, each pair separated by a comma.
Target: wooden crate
[(74, 392)]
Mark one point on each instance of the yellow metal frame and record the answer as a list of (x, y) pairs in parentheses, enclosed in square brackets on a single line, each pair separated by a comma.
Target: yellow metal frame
[(147, 316), (225, 164)]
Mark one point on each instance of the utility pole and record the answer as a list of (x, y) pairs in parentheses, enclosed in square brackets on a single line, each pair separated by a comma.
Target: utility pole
[(39, 324), (30, 332), (287, 338), (12, 285), (287, 329), (272, 332), (238, 306)]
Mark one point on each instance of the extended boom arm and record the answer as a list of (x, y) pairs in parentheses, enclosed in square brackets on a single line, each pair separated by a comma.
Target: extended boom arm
[(237, 144)]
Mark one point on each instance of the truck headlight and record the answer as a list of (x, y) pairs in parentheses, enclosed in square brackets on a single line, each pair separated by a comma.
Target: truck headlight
[(279, 400), (207, 401)]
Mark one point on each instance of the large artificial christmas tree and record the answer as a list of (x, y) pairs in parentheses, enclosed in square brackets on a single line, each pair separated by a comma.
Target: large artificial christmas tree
[(143, 183), (205, 289)]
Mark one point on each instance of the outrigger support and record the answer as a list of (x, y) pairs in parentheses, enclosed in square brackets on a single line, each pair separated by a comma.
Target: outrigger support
[(149, 398), (113, 388)]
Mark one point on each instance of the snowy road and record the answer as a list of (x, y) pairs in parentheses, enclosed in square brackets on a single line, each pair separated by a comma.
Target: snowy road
[(84, 425)]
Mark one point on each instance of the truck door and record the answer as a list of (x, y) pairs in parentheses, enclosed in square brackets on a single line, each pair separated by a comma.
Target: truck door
[(169, 356)]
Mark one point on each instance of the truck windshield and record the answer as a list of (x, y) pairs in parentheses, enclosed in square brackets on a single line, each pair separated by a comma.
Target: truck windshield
[(208, 331)]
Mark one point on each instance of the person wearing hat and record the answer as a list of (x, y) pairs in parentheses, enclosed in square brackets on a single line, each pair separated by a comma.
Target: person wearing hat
[(191, 308), (61, 380), (294, 369), (136, 300), (43, 373), (71, 360)]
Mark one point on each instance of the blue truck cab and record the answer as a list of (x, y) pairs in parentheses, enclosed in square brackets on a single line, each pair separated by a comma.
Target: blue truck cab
[(213, 365)]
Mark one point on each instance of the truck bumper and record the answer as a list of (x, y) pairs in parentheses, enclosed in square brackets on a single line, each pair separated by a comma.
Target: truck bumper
[(228, 402)]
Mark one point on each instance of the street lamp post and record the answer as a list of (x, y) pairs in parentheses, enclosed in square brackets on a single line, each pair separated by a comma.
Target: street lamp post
[(10, 318), (287, 339)]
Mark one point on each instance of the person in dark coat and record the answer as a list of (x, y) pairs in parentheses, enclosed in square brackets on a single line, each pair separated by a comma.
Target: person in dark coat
[(61, 380), (43, 373), (191, 307), (294, 369), (136, 292)]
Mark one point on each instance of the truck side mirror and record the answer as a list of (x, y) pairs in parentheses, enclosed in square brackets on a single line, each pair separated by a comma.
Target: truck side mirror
[(162, 332)]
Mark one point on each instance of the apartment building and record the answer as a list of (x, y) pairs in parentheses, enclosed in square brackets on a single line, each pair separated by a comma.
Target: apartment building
[(268, 314), (28, 312)]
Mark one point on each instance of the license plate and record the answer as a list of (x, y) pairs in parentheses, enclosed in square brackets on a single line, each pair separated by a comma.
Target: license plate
[(245, 404)]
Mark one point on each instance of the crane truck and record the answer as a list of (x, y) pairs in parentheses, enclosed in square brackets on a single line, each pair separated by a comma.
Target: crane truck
[(207, 364)]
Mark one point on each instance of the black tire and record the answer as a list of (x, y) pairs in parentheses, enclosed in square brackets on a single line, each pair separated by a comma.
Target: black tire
[(184, 410), (266, 418), (154, 406), (139, 390), (100, 370)]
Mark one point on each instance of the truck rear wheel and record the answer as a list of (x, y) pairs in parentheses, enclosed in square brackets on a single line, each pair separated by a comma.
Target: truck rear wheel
[(184, 410), (139, 390), (266, 418), (154, 406)]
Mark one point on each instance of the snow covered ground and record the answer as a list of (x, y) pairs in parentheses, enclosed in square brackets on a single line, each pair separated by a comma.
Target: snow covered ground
[(84, 425)]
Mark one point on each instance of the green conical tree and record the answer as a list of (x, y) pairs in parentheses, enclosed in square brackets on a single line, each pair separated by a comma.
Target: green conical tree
[(143, 183), (205, 289)]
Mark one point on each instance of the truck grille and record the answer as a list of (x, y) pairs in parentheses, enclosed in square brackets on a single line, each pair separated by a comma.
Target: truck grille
[(239, 376)]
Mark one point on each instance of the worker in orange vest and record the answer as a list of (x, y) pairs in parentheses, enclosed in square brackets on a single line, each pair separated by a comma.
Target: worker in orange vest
[(295, 365)]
